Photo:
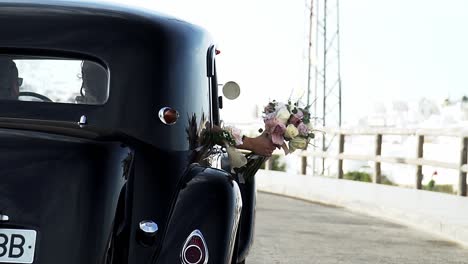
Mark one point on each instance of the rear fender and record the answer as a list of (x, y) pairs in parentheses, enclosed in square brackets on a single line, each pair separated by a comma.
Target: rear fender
[(209, 201), (247, 221)]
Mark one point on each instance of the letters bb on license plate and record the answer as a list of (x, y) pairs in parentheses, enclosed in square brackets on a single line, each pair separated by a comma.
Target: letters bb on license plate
[(17, 245)]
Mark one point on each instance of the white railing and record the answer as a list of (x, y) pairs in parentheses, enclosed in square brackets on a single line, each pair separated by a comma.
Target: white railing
[(378, 133)]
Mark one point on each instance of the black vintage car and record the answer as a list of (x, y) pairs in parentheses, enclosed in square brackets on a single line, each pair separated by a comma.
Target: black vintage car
[(100, 110)]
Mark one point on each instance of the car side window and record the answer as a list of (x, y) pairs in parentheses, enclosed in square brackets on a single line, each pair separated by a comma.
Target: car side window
[(56, 80)]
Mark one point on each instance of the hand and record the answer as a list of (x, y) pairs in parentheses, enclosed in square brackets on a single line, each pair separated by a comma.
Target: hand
[(261, 145)]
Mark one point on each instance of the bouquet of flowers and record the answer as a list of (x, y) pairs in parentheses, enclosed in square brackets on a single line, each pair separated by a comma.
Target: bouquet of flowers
[(227, 137), (288, 125)]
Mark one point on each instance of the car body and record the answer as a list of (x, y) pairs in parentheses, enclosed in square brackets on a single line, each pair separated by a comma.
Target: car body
[(116, 180)]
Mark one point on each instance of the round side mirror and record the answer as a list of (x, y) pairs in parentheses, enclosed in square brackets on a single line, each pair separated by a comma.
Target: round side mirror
[(231, 90)]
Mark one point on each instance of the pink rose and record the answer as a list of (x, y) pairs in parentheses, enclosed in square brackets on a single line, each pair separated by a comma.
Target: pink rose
[(299, 114), (268, 117), (303, 129), (236, 134), (294, 120), (276, 129)]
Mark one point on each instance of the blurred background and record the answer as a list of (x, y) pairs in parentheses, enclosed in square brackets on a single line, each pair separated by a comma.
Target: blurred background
[(393, 53), (373, 64)]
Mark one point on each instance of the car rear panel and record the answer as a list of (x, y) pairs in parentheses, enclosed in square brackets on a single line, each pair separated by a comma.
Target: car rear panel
[(64, 188)]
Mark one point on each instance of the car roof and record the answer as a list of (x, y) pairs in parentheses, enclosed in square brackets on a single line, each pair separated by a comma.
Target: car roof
[(152, 60)]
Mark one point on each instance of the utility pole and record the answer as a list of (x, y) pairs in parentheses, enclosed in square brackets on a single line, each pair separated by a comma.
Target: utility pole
[(309, 73), (327, 103), (309, 54)]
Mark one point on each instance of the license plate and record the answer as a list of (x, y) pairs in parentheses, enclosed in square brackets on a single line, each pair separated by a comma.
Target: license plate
[(17, 245)]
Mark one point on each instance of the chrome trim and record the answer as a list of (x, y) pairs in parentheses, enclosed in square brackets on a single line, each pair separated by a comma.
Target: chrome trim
[(195, 232), (83, 121), (148, 227), (4, 218)]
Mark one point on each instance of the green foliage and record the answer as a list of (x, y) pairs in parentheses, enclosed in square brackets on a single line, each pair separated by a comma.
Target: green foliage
[(447, 102), (276, 164), (386, 181), (365, 177), (444, 188), (358, 176), (431, 185)]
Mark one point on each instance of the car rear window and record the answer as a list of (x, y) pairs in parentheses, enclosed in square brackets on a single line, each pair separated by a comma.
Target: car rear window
[(53, 80)]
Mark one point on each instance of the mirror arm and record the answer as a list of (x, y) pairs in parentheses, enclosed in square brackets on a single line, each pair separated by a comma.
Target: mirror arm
[(220, 102)]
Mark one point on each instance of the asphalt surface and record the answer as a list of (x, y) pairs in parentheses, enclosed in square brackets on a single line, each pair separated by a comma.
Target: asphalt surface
[(294, 231)]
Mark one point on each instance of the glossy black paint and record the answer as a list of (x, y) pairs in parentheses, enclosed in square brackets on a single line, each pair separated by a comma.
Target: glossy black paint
[(99, 181), (209, 201), (65, 188), (247, 221), (153, 61)]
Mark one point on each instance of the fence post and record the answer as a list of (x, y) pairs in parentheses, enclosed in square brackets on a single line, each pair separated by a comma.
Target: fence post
[(268, 164), (341, 142), (463, 161), (378, 152), (304, 165), (420, 153)]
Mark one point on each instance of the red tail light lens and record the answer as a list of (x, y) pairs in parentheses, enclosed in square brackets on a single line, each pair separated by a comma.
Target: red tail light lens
[(168, 115), (194, 250), (193, 254)]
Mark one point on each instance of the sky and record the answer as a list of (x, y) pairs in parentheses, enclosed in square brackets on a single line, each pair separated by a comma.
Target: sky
[(397, 50), (390, 49)]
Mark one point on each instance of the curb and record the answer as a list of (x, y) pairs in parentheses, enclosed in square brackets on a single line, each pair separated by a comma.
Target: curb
[(441, 214)]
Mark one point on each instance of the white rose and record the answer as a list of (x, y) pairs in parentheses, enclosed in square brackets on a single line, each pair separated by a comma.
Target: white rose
[(291, 131), (280, 105), (283, 115), (298, 143), (236, 158)]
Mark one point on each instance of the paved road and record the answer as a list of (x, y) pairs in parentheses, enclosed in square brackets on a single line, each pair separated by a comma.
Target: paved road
[(293, 231)]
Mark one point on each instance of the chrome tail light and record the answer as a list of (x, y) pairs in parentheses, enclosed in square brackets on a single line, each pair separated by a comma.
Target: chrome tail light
[(194, 250)]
